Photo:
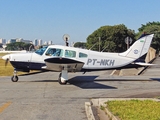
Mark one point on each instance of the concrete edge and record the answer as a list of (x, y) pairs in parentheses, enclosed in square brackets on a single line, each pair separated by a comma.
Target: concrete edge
[(89, 112), (110, 115), (101, 102)]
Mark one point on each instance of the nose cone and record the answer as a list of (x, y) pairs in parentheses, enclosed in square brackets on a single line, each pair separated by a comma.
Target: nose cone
[(5, 57)]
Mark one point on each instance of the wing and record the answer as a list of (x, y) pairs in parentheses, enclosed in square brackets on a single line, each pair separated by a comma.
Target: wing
[(61, 63)]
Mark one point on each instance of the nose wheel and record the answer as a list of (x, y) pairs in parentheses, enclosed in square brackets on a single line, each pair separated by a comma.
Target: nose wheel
[(63, 77), (14, 78)]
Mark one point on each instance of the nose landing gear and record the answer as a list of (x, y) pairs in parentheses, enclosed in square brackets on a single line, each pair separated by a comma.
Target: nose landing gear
[(63, 77), (14, 78)]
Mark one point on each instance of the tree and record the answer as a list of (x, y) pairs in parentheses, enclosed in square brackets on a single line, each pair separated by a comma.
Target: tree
[(18, 46), (148, 24), (80, 45), (112, 38), (151, 28)]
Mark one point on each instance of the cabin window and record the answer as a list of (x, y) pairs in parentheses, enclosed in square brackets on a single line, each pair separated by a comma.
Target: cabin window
[(82, 55), (41, 50), (70, 53), (54, 52)]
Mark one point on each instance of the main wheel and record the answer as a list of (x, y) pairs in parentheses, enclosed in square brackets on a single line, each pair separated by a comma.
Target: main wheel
[(60, 81), (14, 78)]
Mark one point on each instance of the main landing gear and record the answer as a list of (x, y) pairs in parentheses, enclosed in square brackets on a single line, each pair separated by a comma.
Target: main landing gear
[(63, 77), (14, 78)]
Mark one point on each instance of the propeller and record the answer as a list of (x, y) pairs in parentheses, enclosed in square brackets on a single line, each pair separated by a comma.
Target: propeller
[(6, 62), (6, 58)]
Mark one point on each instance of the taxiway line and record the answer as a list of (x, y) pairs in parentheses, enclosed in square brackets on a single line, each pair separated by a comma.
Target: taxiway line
[(3, 107)]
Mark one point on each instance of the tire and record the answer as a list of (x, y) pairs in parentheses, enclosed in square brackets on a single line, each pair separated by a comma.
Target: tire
[(14, 78), (59, 80)]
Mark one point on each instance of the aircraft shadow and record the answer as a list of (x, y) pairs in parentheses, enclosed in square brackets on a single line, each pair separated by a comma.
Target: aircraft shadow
[(87, 82), (26, 74), (156, 79), (84, 82), (44, 81)]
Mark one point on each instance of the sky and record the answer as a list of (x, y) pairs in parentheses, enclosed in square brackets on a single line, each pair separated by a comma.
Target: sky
[(49, 20)]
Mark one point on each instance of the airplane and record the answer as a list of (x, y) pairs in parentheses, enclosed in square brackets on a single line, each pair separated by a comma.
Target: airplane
[(65, 59)]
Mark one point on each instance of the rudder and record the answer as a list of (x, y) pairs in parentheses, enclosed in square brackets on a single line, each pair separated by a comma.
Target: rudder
[(139, 48)]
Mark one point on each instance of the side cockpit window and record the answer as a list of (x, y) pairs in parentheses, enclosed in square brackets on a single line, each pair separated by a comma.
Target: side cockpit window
[(82, 55), (54, 52), (70, 53), (41, 50)]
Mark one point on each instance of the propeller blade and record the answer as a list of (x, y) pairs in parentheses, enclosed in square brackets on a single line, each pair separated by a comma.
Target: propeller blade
[(6, 62)]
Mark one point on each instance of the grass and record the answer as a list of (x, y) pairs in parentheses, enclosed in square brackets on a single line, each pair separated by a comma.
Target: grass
[(135, 109), (2, 54), (5, 70)]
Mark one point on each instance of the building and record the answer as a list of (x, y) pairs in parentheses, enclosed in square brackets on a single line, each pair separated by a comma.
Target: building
[(50, 42), (21, 40), (40, 42), (45, 43), (35, 42), (11, 40), (2, 41)]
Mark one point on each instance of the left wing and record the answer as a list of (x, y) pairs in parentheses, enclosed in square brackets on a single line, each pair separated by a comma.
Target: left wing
[(61, 63)]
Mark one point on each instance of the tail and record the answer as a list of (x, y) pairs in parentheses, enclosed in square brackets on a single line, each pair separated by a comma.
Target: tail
[(139, 48)]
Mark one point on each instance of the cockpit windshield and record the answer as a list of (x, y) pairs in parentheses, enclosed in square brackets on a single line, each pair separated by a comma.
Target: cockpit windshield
[(41, 50)]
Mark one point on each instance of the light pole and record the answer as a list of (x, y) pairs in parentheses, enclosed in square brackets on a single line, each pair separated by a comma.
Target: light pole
[(99, 43)]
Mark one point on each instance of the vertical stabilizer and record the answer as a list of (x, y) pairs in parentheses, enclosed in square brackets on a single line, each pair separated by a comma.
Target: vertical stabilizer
[(139, 48)]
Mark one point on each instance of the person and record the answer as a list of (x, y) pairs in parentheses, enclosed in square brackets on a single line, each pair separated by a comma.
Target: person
[(51, 52)]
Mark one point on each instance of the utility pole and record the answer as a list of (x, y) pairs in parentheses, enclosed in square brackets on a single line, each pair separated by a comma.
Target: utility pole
[(99, 43)]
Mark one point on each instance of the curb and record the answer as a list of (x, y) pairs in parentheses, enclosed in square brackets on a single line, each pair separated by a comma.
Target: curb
[(101, 102), (89, 112)]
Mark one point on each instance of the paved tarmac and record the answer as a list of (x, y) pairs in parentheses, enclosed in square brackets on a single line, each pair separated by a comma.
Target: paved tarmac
[(41, 97)]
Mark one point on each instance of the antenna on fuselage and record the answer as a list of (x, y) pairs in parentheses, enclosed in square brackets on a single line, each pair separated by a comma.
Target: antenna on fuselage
[(92, 46), (105, 48), (66, 38)]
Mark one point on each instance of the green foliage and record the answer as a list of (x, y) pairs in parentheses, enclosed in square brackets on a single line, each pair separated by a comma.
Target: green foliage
[(18, 46), (135, 109), (111, 38), (102, 107), (151, 28), (80, 45), (148, 24)]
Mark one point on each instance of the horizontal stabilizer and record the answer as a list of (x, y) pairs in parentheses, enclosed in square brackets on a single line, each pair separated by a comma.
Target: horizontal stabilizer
[(144, 64)]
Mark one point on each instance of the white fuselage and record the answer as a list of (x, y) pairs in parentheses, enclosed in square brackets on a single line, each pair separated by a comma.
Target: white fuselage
[(91, 59)]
